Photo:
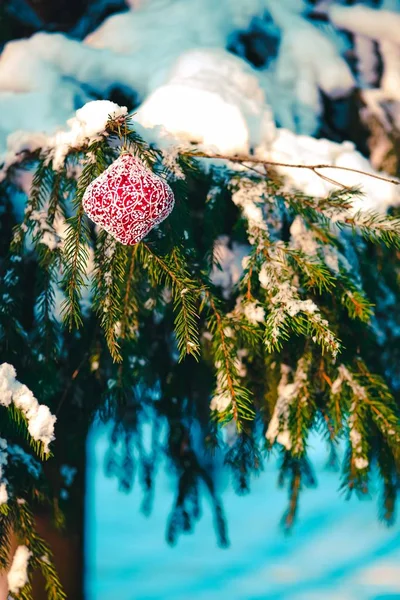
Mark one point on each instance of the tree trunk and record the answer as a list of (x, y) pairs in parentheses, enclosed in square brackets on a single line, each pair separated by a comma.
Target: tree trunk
[(68, 558), (68, 545)]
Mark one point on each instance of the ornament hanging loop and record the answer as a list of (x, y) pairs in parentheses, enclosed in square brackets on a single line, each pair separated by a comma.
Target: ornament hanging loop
[(123, 138)]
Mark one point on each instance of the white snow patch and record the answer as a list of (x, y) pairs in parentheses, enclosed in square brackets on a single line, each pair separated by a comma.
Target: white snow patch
[(230, 264), (277, 427), (88, 122), (17, 576), (220, 401), (3, 493), (40, 420), (304, 150), (254, 312)]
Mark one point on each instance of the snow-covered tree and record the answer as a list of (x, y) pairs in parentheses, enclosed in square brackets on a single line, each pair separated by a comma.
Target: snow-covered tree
[(264, 307)]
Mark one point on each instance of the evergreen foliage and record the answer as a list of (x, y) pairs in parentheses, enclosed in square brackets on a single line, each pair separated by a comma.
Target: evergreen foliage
[(303, 338)]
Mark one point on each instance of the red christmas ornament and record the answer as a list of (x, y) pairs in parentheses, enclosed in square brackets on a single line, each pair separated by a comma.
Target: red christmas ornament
[(128, 200)]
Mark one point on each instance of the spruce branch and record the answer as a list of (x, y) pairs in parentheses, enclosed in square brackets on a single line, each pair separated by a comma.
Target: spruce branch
[(245, 459), (6, 528), (225, 354), (49, 259), (48, 328), (319, 212), (42, 185), (288, 312), (131, 300), (294, 494), (19, 422), (110, 260), (77, 241), (374, 227), (315, 274), (300, 474), (300, 273), (25, 528), (302, 407), (387, 470), (353, 298), (365, 399), (186, 294)]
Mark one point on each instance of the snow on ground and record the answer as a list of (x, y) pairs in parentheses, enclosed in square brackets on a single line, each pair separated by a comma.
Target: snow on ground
[(338, 549)]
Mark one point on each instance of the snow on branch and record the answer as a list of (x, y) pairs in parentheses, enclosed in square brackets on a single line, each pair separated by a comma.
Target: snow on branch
[(39, 419), (18, 574), (87, 126), (97, 119)]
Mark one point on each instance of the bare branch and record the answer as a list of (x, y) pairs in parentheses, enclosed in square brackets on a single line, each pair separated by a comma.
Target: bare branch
[(242, 159)]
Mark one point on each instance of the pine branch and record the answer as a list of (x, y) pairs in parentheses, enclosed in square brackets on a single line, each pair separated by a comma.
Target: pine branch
[(77, 241), (49, 265), (185, 294), (42, 185), (239, 404), (245, 459), (131, 300), (288, 313), (6, 527), (20, 423), (387, 470), (302, 408), (319, 211), (298, 269), (110, 261), (24, 525), (48, 328), (300, 474), (354, 299), (315, 274), (375, 227)]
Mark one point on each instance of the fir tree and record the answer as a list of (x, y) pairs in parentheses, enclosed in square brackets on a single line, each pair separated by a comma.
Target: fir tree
[(301, 337)]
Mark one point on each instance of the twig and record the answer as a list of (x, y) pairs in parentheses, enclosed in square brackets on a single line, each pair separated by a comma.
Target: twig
[(239, 158), (71, 381)]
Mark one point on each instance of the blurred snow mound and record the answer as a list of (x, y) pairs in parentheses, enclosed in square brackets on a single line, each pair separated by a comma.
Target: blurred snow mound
[(288, 147), (172, 54), (211, 97)]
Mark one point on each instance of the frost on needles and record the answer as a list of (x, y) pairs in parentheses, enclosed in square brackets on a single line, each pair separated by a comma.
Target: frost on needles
[(256, 311)]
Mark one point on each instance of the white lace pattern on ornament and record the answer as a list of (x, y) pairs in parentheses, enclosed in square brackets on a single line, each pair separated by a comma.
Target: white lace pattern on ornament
[(128, 200)]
